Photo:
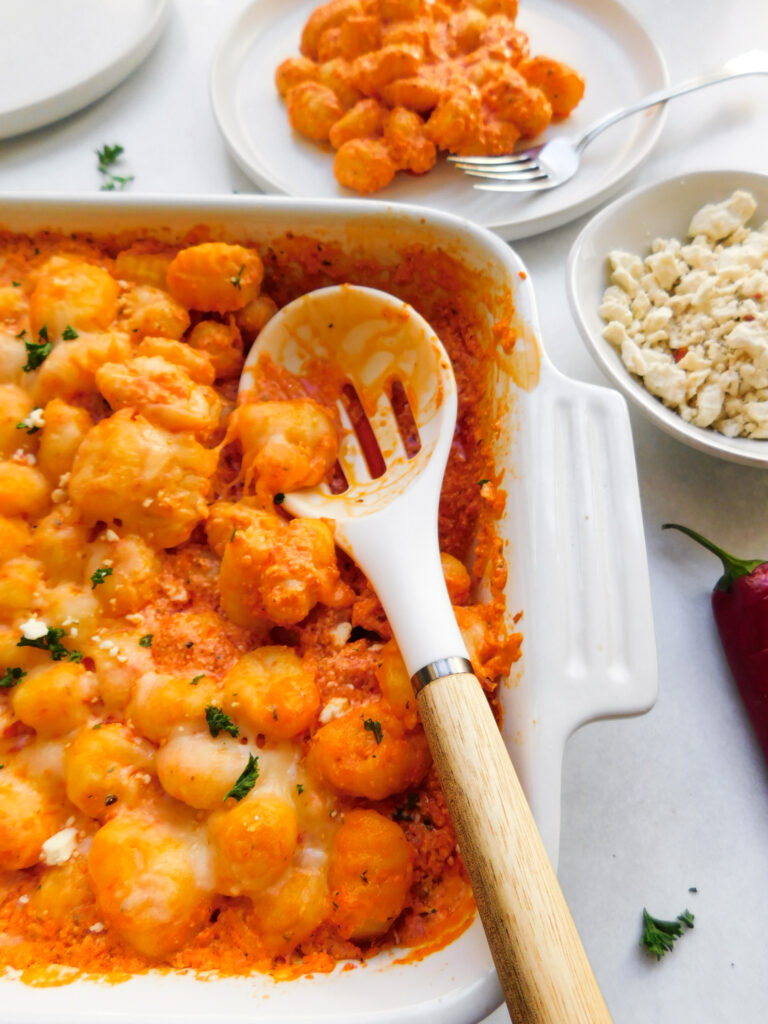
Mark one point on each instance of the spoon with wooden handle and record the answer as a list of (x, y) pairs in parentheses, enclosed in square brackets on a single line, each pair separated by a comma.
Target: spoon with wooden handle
[(388, 524)]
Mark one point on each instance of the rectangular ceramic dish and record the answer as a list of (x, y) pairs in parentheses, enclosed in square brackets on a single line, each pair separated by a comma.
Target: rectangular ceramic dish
[(577, 572)]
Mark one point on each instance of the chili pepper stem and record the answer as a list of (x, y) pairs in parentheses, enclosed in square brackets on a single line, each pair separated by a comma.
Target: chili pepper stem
[(733, 567)]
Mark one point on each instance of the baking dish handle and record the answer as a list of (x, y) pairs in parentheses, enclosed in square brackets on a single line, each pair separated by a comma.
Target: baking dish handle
[(589, 649)]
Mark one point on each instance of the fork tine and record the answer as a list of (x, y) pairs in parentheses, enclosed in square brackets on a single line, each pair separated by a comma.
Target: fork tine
[(492, 161), (527, 174), (509, 165)]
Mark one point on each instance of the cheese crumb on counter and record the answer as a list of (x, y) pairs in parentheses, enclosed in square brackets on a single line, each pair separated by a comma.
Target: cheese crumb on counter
[(691, 319)]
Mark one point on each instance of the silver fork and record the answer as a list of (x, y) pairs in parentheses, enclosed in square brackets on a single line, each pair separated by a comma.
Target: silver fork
[(549, 165)]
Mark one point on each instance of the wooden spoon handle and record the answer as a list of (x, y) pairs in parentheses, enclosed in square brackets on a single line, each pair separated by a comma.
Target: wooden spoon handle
[(541, 963)]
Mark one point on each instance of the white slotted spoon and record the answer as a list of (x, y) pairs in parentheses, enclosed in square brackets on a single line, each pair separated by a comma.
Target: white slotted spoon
[(389, 526)]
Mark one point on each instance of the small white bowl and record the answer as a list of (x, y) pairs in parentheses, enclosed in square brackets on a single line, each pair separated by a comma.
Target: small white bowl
[(632, 223)]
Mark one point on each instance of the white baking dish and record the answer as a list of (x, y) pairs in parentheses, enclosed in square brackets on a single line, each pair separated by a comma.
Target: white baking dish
[(578, 572)]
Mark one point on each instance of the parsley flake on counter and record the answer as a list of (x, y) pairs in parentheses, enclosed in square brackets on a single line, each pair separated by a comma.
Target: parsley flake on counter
[(99, 576), (108, 156), (246, 780), (12, 677), (51, 642), (37, 351), (219, 721), (660, 936), (69, 333), (146, 640), (375, 727)]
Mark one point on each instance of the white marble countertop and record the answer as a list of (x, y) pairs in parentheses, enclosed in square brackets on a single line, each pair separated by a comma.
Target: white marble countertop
[(655, 806)]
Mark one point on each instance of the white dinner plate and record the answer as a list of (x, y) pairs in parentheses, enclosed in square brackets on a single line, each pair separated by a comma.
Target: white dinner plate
[(599, 37), (57, 56), (632, 223)]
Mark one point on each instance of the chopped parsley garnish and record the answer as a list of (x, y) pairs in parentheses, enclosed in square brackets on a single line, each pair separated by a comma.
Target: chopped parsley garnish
[(299, 788), (219, 721), (660, 936), (196, 679), (21, 333), (12, 677), (16, 284), (246, 780), (236, 280), (146, 640), (233, 535), (485, 480), (279, 498), (26, 426), (37, 351), (108, 156), (51, 642), (99, 576), (375, 727), (69, 333)]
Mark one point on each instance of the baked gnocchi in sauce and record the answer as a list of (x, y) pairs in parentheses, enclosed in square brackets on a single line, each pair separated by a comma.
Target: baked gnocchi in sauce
[(210, 751)]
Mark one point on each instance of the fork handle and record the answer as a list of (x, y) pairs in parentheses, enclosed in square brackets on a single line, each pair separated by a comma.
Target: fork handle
[(541, 963), (754, 62)]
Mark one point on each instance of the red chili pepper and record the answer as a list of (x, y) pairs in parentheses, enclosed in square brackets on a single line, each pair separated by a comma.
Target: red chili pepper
[(740, 607)]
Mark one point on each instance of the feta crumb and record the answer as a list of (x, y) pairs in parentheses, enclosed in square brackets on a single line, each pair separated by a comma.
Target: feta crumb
[(33, 629), (23, 899), (23, 458), (59, 847), (340, 633), (96, 928), (335, 708), (111, 536)]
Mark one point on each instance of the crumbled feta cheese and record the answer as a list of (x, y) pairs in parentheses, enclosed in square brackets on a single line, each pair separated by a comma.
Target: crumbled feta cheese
[(35, 420), (60, 847), (340, 633), (24, 458), (718, 220), (33, 629), (691, 319), (111, 536), (335, 708), (96, 928), (23, 899)]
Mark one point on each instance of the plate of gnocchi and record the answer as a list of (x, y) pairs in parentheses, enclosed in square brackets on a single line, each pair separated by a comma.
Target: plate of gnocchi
[(305, 145)]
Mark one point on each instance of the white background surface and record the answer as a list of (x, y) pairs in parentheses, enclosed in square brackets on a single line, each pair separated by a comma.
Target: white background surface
[(651, 806)]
